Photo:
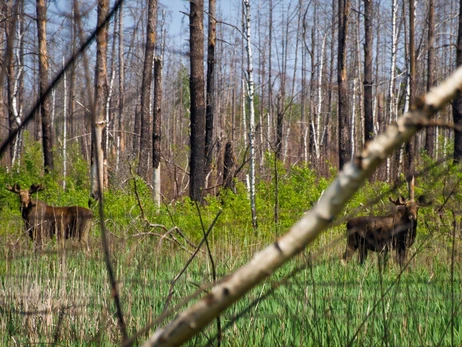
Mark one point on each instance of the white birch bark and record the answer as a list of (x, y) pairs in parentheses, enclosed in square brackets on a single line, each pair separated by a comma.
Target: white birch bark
[(108, 103), (118, 130), (353, 119), (250, 96), (17, 107), (64, 127), (244, 116), (232, 287), (394, 37), (317, 127)]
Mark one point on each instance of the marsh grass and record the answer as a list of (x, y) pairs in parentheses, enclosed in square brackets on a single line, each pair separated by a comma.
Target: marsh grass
[(62, 296)]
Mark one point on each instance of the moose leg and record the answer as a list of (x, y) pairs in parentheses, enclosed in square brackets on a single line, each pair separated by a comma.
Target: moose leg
[(37, 233), (401, 254), (351, 248), (383, 257), (84, 226), (362, 252)]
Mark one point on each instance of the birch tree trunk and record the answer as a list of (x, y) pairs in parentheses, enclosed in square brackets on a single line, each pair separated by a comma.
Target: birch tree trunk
[(269, 128), (250, 96), (156, 130), (264, 263), (391, 94), (121, 99), (13, 72), (410, 146), (64, 127)]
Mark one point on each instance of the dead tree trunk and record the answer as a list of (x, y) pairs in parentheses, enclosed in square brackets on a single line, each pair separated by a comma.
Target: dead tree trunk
[(457, 104), (47, 131), (145, 153), (99, 123), (343, 103), (196, 86)]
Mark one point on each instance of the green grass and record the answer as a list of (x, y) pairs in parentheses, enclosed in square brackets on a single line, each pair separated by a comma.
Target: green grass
[(63, 296)]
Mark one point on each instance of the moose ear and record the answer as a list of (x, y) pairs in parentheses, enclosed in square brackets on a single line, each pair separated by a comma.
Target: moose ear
[(423, 202), (35, 188)]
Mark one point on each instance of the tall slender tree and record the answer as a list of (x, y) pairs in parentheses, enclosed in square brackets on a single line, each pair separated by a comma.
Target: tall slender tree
[(120, 138), (197, 92), (99, 121), (410, 145), (3, 123), (8, 61), (210, 108), (430, 131), (156, 129), (367, 82), (457, 104), (47, 133), (343, 104), (145, 155), (250, 100)]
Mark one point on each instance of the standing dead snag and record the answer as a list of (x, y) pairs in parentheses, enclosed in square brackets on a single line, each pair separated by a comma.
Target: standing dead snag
[(380, 234), (43, 221)]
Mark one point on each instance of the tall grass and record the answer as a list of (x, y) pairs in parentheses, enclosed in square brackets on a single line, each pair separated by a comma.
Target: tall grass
[(63, 296)]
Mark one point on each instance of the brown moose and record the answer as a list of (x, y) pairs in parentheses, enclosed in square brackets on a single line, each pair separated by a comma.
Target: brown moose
[(44, 221), (380, 234)]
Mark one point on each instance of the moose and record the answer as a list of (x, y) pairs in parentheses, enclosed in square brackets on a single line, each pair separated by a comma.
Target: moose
[(44, 221), (380, 234)]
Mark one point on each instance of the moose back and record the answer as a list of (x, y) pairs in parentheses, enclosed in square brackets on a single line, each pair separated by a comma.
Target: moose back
[(44, 221), (379, 234)]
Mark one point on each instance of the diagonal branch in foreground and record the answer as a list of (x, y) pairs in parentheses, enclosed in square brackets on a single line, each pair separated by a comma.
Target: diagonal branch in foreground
[(350, 179)]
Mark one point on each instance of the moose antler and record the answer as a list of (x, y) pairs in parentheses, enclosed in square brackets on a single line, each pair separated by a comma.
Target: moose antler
[(399, 201), (15, 189)]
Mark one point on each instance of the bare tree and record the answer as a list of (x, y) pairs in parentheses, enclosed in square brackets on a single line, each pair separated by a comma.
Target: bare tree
[(145, 154), (196, 84), (99, 122), (47, 133), (250, 98), (457, 104), (3, 50), (343, 104), (410, 145), (210, 108), (368, 98), (157, 129), (120, 138), (12, 70), (430, 131)]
